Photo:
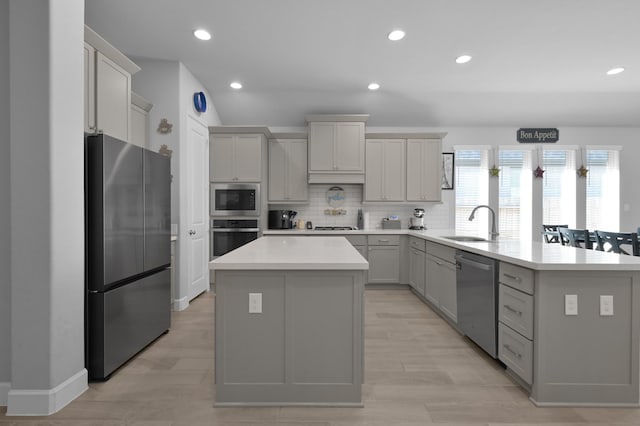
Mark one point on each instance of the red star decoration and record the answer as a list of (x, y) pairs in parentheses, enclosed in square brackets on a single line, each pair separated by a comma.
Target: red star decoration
[(538, 172)]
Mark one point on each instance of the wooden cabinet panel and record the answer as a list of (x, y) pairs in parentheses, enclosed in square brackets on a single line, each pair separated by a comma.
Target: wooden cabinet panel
[(288, 170), (384, 264)]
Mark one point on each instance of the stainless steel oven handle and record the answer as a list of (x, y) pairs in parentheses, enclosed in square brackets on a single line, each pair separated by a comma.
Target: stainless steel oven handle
[(235, 229)]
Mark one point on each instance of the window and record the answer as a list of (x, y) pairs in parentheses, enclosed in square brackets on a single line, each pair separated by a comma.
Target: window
[(559, 187), (472, 188), (515, 193), (603, 189)]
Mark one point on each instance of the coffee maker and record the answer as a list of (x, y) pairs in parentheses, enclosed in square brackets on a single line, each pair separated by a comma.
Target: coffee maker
[(281, 219), (417, 221)]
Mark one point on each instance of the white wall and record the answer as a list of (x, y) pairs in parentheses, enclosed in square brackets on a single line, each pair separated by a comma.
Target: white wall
[(158, 83), (5, 224), (47, 205)]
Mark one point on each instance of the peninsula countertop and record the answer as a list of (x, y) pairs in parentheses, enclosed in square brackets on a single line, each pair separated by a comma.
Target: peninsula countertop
[(293, 253), (529, 254)]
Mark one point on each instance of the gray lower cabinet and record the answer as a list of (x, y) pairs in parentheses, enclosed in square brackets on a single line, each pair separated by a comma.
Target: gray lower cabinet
[(383, 255), (515, 315), (304, 346), (417, 264), (440, 279)]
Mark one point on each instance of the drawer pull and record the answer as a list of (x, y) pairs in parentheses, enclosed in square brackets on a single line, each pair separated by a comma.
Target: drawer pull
[(513, 277), (507, 347), (515, 311), (383, 241), (416, 252)]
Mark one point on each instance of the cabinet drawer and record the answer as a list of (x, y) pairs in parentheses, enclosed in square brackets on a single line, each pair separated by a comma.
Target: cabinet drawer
[(417, 243), (383, 240), (516, 310), (516, 352), (442, 252), (357, 240), (516, 277)]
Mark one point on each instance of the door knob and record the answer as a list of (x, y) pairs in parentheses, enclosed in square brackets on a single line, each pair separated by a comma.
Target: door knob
[(192, 232)]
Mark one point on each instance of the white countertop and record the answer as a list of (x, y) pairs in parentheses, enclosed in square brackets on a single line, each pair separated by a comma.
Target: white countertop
[(293, 253), (534, 255)]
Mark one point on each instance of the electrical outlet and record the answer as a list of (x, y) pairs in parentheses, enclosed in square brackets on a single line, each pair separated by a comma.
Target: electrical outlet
[(571, 304), (255, 303), (606, 306)]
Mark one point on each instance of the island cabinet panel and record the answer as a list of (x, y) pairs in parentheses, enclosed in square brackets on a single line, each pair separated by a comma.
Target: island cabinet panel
[(252, 344), (305, 347), (586, 358)]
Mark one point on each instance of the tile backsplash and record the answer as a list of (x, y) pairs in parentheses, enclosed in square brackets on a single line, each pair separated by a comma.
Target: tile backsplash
[(437, 216)]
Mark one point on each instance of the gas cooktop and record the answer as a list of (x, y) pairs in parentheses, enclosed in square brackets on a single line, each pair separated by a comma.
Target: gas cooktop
[(333, 228)]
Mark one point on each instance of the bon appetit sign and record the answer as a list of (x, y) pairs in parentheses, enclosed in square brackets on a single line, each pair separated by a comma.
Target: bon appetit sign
[(536, 135)]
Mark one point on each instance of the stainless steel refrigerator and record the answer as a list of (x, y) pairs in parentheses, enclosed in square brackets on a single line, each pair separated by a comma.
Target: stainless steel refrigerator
[(128, 251)]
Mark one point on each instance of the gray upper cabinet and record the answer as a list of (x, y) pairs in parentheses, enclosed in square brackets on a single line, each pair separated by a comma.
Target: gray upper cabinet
[(107, 83), (385, 170), (403, 167), (424, 164), (140, 108), (336, 148), (288, 170), (236, 158)]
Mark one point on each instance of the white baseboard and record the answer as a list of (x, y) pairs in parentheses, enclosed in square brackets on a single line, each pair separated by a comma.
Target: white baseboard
[(4, 393), (180, 304), (26, 402)]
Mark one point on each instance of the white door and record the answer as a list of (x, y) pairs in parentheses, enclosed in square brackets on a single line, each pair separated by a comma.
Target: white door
[(197, 255)]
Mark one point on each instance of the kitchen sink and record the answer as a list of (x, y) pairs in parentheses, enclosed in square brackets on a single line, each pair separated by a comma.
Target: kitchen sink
[(464, 238)]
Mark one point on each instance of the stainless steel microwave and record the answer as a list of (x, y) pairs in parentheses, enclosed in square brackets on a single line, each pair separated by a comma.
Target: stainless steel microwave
[(235, 199)]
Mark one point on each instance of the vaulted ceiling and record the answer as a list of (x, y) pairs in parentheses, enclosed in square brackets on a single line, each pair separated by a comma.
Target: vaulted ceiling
[(534, 62)]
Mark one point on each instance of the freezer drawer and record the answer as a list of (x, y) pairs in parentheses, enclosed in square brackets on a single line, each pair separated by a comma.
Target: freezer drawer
[(124, 320)]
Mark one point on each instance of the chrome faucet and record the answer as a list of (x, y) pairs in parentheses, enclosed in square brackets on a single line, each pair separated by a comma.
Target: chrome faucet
[(494, 233)]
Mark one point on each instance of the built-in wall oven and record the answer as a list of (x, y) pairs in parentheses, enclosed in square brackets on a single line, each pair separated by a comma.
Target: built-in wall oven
[(235, 199), (229, 234)]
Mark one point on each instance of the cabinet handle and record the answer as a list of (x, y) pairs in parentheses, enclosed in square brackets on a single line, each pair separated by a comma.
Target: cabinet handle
[(513, 277), (507, 347), (515, 311), (438, 263), (383, 241), (92, 127), (416, 252)]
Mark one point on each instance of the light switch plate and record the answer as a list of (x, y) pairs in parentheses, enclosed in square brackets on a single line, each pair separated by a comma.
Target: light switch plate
[(571, 304), (606, 306), (255, 303)]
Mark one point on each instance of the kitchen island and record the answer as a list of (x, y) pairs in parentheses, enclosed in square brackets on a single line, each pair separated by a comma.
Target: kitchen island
[(289, 323), (568, 319)]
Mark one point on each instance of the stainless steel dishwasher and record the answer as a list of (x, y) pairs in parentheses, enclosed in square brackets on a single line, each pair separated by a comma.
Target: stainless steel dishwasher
[(477, 291)]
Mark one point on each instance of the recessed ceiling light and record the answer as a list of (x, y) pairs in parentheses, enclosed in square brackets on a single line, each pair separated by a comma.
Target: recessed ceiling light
[(236, 85), (202, 34), (614, 71), (463, 59), (373, 86), (396, 35)]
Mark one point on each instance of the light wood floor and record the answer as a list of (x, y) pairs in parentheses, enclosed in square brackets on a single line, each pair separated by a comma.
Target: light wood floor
[(418, 371)]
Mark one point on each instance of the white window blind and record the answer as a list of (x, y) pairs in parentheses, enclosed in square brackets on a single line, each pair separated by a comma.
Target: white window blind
[(603, 189), (471, 188), (515, 193), (559, 187)]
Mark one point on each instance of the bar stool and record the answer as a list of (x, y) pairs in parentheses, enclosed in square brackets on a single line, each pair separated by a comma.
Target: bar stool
[(613, 241), (550, 233), (575, 238)]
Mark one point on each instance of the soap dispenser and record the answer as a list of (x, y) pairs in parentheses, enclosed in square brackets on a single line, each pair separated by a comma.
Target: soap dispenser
[(360, 221)]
